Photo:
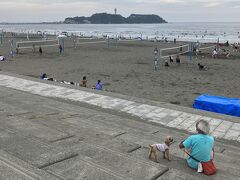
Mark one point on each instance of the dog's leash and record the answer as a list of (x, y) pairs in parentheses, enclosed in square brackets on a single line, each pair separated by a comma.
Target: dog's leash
[(172, 142)]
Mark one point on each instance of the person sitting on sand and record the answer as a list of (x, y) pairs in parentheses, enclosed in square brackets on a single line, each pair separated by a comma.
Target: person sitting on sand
[(166, 64), (2, 58), (98, 86), (178, 61), (44, 77), (83, 83)]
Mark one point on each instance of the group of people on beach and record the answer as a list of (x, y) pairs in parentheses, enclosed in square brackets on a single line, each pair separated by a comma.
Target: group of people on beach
[(166, 63), (220, 50), (178, 61), (82, 83)]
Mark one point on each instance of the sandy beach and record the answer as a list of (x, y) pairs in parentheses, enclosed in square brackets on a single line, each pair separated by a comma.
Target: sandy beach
[(127, 68)]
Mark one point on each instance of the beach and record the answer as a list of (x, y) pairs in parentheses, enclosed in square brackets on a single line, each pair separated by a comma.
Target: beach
[(127, 68)]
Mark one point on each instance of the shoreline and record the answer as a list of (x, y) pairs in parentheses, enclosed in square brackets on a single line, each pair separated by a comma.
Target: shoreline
[(189, 31)]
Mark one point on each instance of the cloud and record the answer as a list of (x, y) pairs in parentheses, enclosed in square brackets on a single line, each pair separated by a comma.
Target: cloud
[(212, 4)]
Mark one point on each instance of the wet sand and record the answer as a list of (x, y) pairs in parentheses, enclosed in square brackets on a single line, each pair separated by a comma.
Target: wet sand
[(127, 68)]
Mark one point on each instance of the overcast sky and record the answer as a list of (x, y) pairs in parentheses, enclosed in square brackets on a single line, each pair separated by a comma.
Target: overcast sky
[(170, 10)]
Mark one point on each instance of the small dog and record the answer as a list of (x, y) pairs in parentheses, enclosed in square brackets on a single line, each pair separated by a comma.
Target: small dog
[(201, 67), (164, 148)]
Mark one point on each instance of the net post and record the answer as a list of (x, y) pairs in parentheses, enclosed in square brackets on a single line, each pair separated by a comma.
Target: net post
[(218, 43), (155, 59), (74, 43), (61, 43), (116, 40), (11, 47), (191, 51), (28, 35), (1, 37)]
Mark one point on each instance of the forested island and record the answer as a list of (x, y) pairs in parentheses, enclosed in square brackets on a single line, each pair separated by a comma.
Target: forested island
[(104, 18)]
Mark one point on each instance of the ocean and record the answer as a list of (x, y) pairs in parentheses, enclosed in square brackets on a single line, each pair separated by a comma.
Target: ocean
[(189, 31)]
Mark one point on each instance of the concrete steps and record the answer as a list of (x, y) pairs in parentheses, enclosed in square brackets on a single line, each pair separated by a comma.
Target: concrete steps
[(12, 168), (127, 143), (73, 142)]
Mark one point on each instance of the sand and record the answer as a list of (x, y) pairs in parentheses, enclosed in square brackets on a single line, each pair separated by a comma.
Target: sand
[(128, 69)]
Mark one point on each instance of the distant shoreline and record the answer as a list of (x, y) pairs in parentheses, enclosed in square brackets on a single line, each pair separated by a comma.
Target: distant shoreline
[(60, 22), (201, 32), (20, 23)]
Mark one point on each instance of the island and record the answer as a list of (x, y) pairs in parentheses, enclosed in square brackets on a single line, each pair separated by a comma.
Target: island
[(105, 18)]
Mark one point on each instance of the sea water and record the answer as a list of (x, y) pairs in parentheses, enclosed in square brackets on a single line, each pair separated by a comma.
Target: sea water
[(189, 31)]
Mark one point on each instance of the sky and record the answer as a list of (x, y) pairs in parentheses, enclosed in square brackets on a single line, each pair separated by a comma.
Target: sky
[(170, 10)]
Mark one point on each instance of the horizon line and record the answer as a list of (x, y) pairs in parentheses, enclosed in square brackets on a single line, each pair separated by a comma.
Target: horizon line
[(168, 22)]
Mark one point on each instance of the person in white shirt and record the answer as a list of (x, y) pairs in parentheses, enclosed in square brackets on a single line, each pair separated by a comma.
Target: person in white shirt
[(2, 58)]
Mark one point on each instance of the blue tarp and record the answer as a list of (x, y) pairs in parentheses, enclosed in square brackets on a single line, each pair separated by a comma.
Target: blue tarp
[(218, 104)]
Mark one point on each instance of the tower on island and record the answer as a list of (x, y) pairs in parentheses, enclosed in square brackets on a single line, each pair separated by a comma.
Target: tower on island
[(115, 11)]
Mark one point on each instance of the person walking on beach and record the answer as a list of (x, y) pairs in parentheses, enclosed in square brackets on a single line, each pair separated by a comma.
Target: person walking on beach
[(60, 49), (40, 50)]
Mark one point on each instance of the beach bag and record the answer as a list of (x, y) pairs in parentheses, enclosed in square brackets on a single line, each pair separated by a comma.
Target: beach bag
[(207, 168)]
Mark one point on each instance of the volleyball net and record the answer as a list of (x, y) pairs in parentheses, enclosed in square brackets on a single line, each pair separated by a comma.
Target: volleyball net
[(198, 49), (174, 51), (36, 44), (1, 37), (86, 41), (205, 50), (108, 40)]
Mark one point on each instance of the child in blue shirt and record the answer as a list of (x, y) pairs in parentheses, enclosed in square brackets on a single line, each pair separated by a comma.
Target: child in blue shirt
[(98, 86)]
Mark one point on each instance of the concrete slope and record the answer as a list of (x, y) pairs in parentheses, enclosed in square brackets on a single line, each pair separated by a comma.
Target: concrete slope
[(57, 138)]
